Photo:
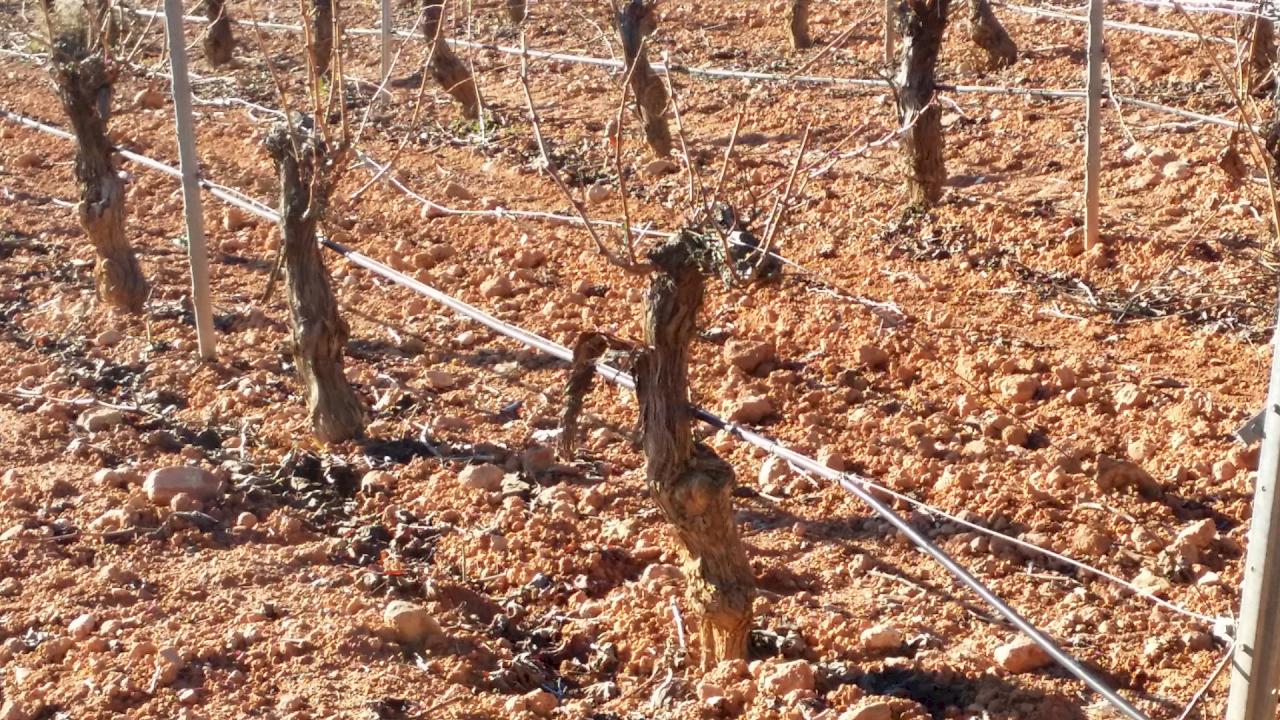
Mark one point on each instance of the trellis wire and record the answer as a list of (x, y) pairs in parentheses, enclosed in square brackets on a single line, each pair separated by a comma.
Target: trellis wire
[(1117, 24), (724, 73)]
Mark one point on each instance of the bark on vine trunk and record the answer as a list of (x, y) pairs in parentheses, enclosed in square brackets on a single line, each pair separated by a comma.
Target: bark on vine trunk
[(517, 10), (218, 41), (921, 24), (635, 22), (83, 81), (798, 24), (690, 484), (446, 67), (1258, 69), (986, 31), (321, 35), (319, 332)]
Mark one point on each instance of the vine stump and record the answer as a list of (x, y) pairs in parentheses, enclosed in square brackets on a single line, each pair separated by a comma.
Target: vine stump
[(987, 33), (321, 35), (517, 11), (636, 21), (921, 23), (83, 81), (218, 41), (446, 67), (319, 332), (798, 24), (690, 484)]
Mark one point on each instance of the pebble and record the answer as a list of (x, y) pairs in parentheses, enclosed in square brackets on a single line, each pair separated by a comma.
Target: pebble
[(1020, 389), (108, 337), (98, 419), (110, 477), (1177, 170), (869, 710), (82, 627), (881, 637), (751, 410), (10, 587), (412, 624), (184, 502), (487, 477), (774, 470), (787, 678), (149, 99), (832, 458), (872, 356), (458, 192), (658, 168), (747, 356), (598, 193), (162, 484), (29, 160), (1198, 534), (441, 380), (540, 702), (497, 287), (1021, 655), (11, 710), (234, 219), (1134, 152), (527, 259)]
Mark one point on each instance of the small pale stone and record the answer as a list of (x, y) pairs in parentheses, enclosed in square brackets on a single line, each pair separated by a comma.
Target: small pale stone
[(149, 99), (751, 410), (108, 337), (457, 191), (1021, 655), (881, 637), (487, 477), (82, 627), (163, 484), (540, 702), (872, 356), (787, 677), (411, 624), (98, 419), (597, 193), (658, 168), (497, 287), (773, 471), (869, 710), (747, 356), (440, 379), (246, 520)]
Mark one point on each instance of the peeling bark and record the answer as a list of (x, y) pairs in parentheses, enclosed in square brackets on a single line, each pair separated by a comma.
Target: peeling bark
[(218, 41), (798, 24), (635, 22), (83, 81), (321, 35), (921, 23), (1257, 70), (986, 31), (690, 484), (319, 332), (446, 67)]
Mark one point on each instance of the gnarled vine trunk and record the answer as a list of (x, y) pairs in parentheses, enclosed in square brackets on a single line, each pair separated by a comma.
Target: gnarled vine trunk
[(446, 67), (1257, 71), (635, 22), (83, 81), (690, 484), (517, 10), (319, 332), (218, 41), (321, 35), (986, 31), (921, 24), (798, 24)]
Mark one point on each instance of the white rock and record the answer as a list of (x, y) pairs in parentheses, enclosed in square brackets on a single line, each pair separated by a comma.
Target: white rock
[(881, 637), (148, 99), (1199, 534), (486, 477), (658, 168), (661, 572), (869, 710), (787, 677), (11, 710), (233, 219), (872, 356), (540, 702), (162, 484), (108, 337), (440, 379), (747, 356), (412, 624), (774, 470), (82, 627), (1021, 655), (597, 193), (97, 419), (1177, 170)]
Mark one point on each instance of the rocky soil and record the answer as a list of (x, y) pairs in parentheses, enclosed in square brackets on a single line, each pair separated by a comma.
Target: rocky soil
[(173, 544)]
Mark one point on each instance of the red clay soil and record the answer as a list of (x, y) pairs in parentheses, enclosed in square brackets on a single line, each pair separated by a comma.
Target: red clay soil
[(1080, 400)]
